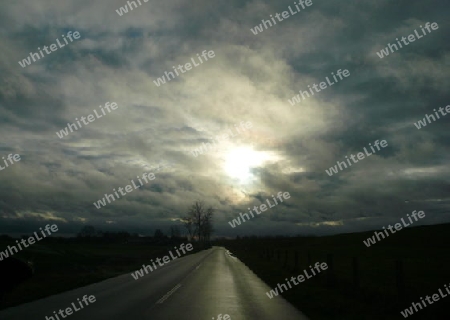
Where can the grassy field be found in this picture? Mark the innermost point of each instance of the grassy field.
(63, 266)
(387, 278)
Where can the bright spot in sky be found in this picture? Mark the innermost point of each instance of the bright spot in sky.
(240, 161)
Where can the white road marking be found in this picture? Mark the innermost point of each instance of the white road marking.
(168, 294)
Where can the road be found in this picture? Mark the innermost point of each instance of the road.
(194, 287)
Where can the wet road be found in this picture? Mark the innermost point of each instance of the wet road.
(198, 286)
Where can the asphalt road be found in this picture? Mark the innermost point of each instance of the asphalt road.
(195, 287)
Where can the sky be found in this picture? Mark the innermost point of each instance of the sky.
(246, 84)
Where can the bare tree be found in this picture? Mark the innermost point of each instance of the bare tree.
(189, 224)
(206, 225)
(198, 221)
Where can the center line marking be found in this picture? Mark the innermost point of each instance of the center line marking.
(168, 294)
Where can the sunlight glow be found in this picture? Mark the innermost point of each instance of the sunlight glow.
(240, 161)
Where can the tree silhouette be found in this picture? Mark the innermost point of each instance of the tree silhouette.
(198, 221)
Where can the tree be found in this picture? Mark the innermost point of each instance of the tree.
(198, 221)
(206, 225)
(188, 224)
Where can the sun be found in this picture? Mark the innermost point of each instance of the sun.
(240, 161)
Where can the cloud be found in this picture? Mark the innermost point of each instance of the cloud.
(250, 78)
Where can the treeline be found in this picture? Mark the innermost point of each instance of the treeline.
(89, 234)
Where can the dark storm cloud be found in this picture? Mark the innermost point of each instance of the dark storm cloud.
(250, 79)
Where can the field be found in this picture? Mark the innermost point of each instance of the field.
(363, 283)
(64, 264)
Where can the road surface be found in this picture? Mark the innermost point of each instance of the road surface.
(195, 287)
